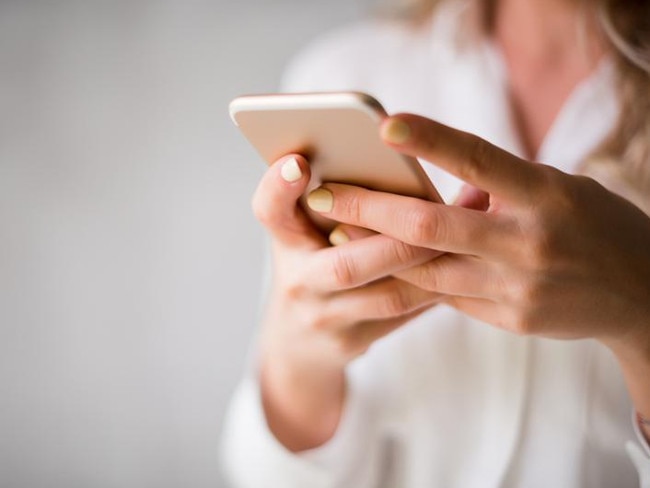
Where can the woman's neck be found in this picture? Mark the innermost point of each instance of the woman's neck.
(549, 47)
(546, 31)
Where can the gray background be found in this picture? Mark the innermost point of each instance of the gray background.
(129, 259)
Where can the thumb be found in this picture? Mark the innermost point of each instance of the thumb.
(276, 204)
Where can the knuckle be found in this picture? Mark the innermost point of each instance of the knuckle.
(404, 253)
(562, 194)
(295, 284)
(344, 270)
(317, 321)
(351, 343)
(546, 181)
(556, 217)
(295, 291)
(422, 227)
(565, 190)
(395, 303)
(310, 310)
(588, 186)
(542, 237)
(528, 304)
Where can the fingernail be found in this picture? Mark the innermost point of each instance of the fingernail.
(396, 131)
(321, 200)
(290, 170)
(338, 237)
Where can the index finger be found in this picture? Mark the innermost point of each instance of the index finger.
(470, 158)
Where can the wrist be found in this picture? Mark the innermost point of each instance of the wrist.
(302, 401)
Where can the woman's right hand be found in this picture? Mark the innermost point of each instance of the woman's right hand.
(326, 306)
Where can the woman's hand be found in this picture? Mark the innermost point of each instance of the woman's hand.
(326, 306)
(553, 255)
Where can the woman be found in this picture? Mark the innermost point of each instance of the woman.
(549, 393)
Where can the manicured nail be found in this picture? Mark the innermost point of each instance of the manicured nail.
(321, 200)
(290, 170)
(338, 237)
(396, 131)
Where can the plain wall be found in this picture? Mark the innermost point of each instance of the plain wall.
(129, 258)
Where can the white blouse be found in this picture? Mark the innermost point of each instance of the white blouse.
(448, 401)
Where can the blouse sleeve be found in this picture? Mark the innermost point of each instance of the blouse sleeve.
(252, 456)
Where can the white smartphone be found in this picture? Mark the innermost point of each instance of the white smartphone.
(338, 133)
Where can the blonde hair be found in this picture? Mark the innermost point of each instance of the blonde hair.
(622, 160)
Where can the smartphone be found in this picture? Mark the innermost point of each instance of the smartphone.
(338, 133)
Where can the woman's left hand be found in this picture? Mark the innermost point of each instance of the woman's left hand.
(553, 254)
